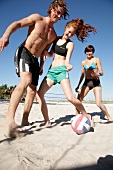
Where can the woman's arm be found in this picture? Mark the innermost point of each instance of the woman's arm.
(70, 48)
(81, 78)
(100, 71)
(99, 65)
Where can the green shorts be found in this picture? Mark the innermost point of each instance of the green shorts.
(57, 74)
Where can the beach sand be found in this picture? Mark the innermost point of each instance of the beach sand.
(58, 147)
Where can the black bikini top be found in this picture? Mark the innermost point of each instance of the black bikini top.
(60, 49)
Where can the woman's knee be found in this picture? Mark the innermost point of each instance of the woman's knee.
(79, 97)
(98, 104)
(70, 98)
(40, 94)
(74, 100)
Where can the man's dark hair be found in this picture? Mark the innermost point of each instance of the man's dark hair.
(60, 3)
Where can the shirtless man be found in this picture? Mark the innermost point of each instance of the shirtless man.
(41, 34)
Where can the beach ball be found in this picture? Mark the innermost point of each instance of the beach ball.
(80, 124)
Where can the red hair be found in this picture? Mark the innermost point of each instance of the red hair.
(81, 29)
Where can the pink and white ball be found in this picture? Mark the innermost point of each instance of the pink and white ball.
(80, 124)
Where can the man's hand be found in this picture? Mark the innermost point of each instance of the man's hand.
(41, 71)
(45, 53)
(3, 43)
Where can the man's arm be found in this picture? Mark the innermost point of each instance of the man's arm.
(45, 52)
(30, 20)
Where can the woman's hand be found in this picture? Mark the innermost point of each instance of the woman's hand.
(69, 67)
(76, 89)
(95, 75)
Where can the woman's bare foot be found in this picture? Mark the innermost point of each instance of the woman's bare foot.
(46, 124)
(91, 120)
(25, 122)
(110, 119)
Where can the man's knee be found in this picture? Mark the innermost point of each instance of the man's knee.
(26, 79)
(31, 91)
(25, 83)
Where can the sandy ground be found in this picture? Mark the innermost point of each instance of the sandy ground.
(58, 147)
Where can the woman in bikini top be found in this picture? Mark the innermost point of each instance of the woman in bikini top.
(91, 67)
(92, 70)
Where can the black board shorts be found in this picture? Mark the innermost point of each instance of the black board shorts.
(26, 62)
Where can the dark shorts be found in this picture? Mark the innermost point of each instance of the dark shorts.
(25, 62)
(91, 83)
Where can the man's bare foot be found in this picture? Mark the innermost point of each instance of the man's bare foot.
(13, 130)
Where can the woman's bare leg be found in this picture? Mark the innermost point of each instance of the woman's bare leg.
(44, 87)
(71, 98)
(98, 98)
(83, 92)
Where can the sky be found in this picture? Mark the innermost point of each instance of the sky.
(98, 13)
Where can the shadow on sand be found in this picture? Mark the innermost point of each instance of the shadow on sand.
(103, 163)
(62, 121)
